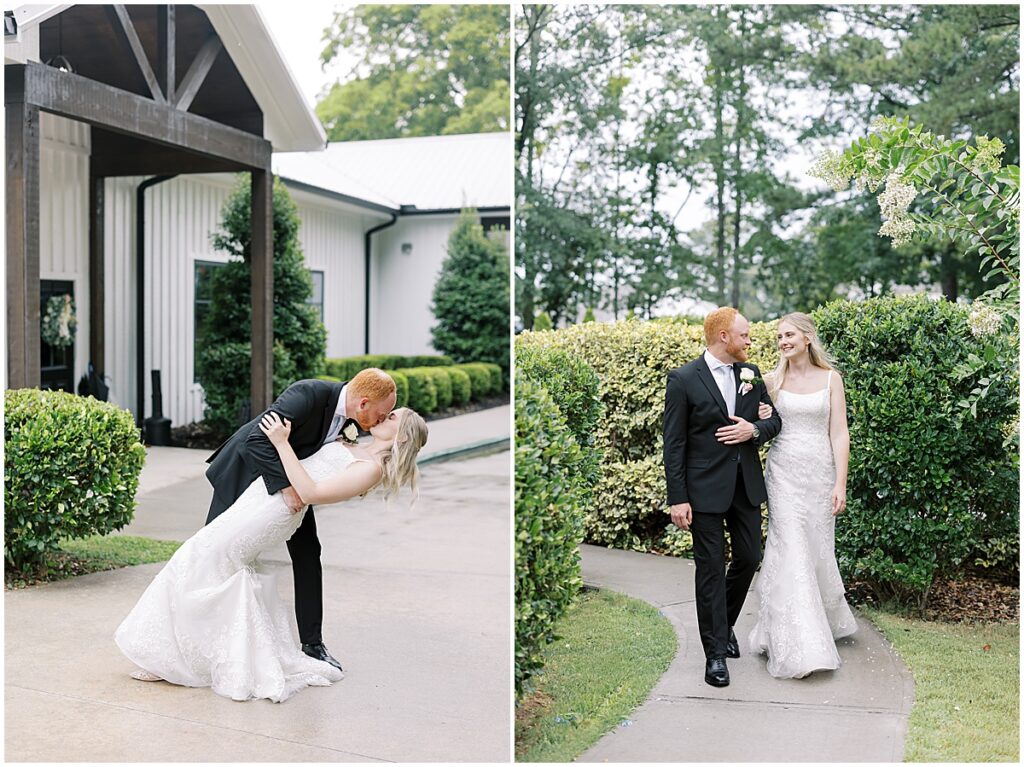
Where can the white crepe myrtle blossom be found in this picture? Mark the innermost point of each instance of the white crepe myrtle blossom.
(984, 321)
(830, 168)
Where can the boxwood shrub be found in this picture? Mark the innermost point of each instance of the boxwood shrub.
(422, 391)
(479, 378)
(71, 469)
(345, 368)
(461, 386)
(927, 488)
(549, 525)
(442, 384)
(428, 361)
(401, 387)
(498, 382)
(573, 385)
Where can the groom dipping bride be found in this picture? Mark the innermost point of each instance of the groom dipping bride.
(212, 617)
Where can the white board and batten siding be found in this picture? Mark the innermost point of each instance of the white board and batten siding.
(181, 216)
(402, 284)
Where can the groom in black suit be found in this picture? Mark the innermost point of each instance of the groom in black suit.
(713, 473)
(320, 412)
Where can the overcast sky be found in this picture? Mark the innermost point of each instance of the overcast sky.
(299, 36)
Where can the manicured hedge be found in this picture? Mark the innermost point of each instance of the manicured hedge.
(422, 391)
(71, 469)
(345, 368)
(549, 525)
(479, 378)
(498, 380)
(401, 387)
(462, 389)
(573, 385)
(928, 491)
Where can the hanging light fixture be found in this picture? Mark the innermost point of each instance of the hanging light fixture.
(60, 60)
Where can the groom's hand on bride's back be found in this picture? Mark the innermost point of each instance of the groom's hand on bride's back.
(682, 515)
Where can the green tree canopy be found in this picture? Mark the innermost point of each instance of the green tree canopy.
(423, 70)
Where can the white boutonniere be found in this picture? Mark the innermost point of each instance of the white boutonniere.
(749, 380)
(350, 432)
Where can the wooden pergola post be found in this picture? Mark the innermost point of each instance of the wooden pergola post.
(97, 297)
(261, 265)
(22, 210)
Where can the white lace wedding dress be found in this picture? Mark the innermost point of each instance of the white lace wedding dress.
(802, 607)
(212, 616)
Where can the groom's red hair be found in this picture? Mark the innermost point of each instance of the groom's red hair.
(717, 321)
(372, 383)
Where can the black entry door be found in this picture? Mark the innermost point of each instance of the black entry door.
(57, 365)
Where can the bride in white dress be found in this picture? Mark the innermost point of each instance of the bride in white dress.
(802, 607)
(212, 616)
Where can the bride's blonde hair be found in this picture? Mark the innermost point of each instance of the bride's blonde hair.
(398, 465)
(815, 349)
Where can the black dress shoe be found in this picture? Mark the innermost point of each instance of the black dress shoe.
(732, 647)
(716, 673)
(319, 652)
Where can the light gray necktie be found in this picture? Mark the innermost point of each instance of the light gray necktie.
(728, 388)
(332, 433)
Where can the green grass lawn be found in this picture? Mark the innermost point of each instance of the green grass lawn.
(967, 692)
(611, 652)
(96, 553)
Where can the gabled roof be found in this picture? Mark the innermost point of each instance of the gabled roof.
(288, 122)
(428, 173)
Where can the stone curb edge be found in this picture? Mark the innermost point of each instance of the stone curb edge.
(473, 447)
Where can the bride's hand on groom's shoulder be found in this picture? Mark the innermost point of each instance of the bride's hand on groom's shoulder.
(277, 431)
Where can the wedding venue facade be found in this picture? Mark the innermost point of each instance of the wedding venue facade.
(118, 199)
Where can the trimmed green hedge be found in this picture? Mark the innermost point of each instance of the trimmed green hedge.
(573, 385)
(71, 469)
(345, 368)
(926, 493)
(549, 525)
(498, 381)
(462, 388)
(479, 378)
(927, 489)
(422, 391)
(401, 387)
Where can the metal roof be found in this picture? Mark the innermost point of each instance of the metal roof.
(429, 172)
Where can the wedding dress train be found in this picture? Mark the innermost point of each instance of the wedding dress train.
(802, 607)
(212, 616)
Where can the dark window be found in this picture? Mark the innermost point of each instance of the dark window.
(317, 299)
(204, 295)
(495, 222)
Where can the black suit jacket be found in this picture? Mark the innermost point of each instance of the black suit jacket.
(699, 469)
(247, 454)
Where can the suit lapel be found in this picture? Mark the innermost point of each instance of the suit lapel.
(708, 379)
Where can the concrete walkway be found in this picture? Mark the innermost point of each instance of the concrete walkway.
(858, 713)
(416, 607)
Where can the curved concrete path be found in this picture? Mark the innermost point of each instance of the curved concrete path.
(416, 607)
(858, 713)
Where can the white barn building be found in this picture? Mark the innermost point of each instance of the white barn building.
(375, 217)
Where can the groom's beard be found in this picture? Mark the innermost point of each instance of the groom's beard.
(737, 351)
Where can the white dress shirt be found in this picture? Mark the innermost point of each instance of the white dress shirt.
(726, 380)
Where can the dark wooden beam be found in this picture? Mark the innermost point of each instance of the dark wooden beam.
(197, 72)
(22, 211)
(159, 161)
(97, 326)
(165, 32)
(119, 17)
(95, 103)
(261, 263)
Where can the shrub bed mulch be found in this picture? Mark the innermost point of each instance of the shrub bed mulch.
(62, 565)
(201, 437)
(973, 596)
